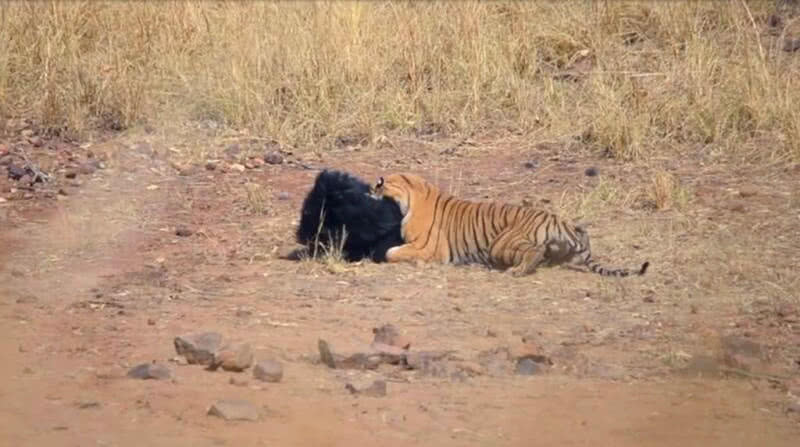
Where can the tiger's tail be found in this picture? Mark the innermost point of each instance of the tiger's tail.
(620, 273)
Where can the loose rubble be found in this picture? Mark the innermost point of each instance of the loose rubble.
(198, 348)
(234, 410)
(146, 371)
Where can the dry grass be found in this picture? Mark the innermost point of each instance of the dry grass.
(634, 78)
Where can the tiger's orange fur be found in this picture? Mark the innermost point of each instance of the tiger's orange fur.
(439, 227)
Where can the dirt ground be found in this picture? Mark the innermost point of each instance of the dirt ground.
(703, 350)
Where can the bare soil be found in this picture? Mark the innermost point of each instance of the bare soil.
(97, 282)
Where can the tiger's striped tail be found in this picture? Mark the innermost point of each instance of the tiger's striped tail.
(620, 273)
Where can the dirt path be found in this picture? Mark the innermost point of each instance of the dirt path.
(98, 283)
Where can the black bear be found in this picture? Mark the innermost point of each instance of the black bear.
(342, 201)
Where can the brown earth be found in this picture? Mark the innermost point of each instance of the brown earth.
(98, 281)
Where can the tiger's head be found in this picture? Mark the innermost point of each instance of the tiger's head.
(402, 188)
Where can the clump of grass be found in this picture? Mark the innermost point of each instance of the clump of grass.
(257, 200)
(666, 192)
(641, 75)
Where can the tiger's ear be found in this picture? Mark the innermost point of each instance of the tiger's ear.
(380, 183)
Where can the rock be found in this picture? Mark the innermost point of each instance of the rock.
(151, 322)
(377, 389)
(210, 166)
(237, 167)
(791, 45)
(793, 407)
(234, 410)
(236, 381)
(527, 349)
(149, 371)
(183, 231)
(87, 403)
(591, 172)
(15, 172)
(35, 141)
(283, 195)
(27, 299)
(527, 367)
(273, 158)
(389, 335)
(198, 348)
(497, 361)
(235, 358)
(429, 363)
(87, 168)
(6, 160)
(531, 165)
(27, 133)
(325, 353)
(268, 371)
(748, 191)
(471, 369)
(388, 353)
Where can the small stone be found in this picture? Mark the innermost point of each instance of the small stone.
(150, 371)
(235, 358)
(198, 348)
(234, 410)
(151, 322)
(530, 350)
(748, 191)
(527, 367)
(257, 162)
(389, 335)
(325, 354)
(249, 165)
(531, 165)
(243, 313)
(791, 45)
(591, 172)
(737, 206)
(86, 404)
(27, 133)
(236, 381)
(6, 160)
(183, 231)
(237, 167)
(283, 195)
(210, 166)
(62, 192)
(793, 407)
(273, 158)
(268, 371)
(87, 168)
(15, 172)
(27, 299)
(376, 389)
(35, 141)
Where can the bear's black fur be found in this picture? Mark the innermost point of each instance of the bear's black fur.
(372, 226)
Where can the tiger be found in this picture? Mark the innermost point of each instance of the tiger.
(439, 227)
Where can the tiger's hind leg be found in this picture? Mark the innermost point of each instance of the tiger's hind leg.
(531, 258)
(519, 255)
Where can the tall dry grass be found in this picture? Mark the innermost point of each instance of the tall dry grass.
(631, 78)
